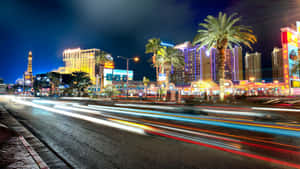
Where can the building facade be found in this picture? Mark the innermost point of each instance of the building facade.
(253, 66)
(233, 64)
(82, 60)
(201, 64)
(277, 65)
(290, 45)
(197, 65)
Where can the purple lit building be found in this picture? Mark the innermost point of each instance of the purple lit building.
(203, 65)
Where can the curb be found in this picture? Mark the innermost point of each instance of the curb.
(33, 153)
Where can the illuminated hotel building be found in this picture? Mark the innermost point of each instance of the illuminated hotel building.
(28, 74)
(233, 64)
(83, 60)
(277, 65)
(253, 66)
(203, 65)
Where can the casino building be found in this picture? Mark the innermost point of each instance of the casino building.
(85, 60)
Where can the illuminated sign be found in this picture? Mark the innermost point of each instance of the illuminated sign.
(162, 77)
(290, 54)
(117, 74)
(296, 83)
(109, 65)
(293, 61)
(243, 82)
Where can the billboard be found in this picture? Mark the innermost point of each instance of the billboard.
(293, 62)
(117, 74)
(289, 38)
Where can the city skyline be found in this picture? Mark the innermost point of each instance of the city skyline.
(47, 44)
(150, 84)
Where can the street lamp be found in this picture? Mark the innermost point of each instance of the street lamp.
(135, 59)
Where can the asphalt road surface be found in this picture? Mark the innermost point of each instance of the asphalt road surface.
(93, 136)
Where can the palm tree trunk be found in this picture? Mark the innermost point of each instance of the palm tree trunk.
(157, 74)
(167, 79)
(221, 52)
(102, 77)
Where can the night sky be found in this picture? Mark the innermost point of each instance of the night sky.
(122, 27)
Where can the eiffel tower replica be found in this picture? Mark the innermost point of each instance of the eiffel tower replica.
(28, 78)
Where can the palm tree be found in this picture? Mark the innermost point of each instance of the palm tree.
(54, 81)
(222, 32)
(169, 59)
(100, 61)
(81, 80)
(153, 46)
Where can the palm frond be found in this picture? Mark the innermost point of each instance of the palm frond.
(223, 31)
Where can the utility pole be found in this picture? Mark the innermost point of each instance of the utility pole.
(136, 59)
(127, 60)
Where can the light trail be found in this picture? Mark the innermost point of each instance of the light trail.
(224, 107)
(140, 130)
(146, 106)
(233, 112)
(133, 124)
(230, 140)
(237, 121)
(83, 117)
(191, 130)
(223, 134)
(264, 128)
(275, 109)
(48, 102)
(213, 111)
(268, 159)
(78, 109)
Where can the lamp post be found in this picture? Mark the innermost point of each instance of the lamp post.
(135, 59)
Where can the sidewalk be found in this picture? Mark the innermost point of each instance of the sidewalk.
(42, 154)
(16, 153)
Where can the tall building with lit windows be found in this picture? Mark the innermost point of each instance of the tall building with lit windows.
(83, 60)
(201, 64)
(277, 64)
(197, 65)
(253, 66)
(233, 64)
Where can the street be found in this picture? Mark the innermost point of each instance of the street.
(123, 136)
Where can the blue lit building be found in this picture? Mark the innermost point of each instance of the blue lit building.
(201, 64)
